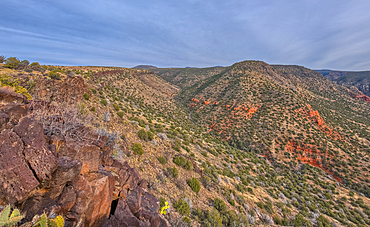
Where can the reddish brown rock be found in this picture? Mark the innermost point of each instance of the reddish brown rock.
(134, 200)
(123, 213)
(38, 205)
(56, 140)
(68, 169)
(69, 90)
(102, 185)
(42, 160)
(7, 94)
(83, 193)
(16, 179)
(11, 113)
(67, 200)
(4, 119)
(88, 154)
(150, 202)
(153, 217)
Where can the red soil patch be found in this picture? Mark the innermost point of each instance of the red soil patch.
(207, 102)
(314, 116)
(195, 100)
(310, 155)
(232, 120)
(363, 97)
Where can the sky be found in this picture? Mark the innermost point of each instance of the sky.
(318, 34)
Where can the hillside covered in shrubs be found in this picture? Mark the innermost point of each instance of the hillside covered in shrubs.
(246, 145)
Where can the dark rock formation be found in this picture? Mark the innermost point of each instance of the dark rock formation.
(76, 179)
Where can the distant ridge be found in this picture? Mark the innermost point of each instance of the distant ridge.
(144, 67)
(359, 79)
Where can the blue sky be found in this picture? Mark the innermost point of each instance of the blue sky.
(330, 34)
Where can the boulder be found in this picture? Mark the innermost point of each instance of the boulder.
(134, 200)
(67, 200)
(7, 94)
(41, 160)
(88, 154)
(4, 120)
(16, 178)
(162, 136)
(102, 185)
(37, 205)
(15, 113)
(68, 169)
(83, 194)
(153, 217)
(150, 202)
(113, 221)
(124, 214)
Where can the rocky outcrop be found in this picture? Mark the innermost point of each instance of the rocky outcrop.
(16, 178)
(67, 90)
(7, 94)
(76, 179)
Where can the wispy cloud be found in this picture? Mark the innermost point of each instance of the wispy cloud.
(317, 34)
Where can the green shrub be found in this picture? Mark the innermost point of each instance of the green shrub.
(2, 58)
(162, 202)
(175, 173)
(162, 160)
(188, 165)
(87, 96)
(54, 75)
(104, 102)
(93, 109)
(120, 114)
(12, 63)
(6, 80)
(24, 63)
(205, 181)
(186, 220)
(182, 207)
(179, 160)
(187, 149)
(177, 146)
(250, 190)
(204, 153)
(116, 106)
(194, 184)
(137, 148)
(322, 221)
(142, 134)
(145, 135)
(300, 221)
(197, 212)
(93, 91)
(183, 162)
(214, 219)
(220, 205)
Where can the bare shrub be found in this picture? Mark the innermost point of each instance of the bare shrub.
(58, 120)
(181, 184)
(267, 219)
(251, 219)
(68, 121)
